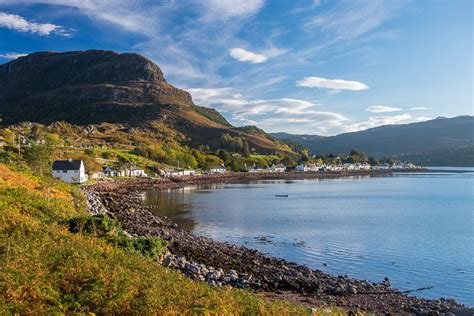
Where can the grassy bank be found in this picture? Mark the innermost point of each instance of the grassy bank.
(45, 268)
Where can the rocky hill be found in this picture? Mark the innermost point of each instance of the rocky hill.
(96, 86)
(438, 142)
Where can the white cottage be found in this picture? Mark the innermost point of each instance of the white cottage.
(69, 171)
(302, 168)
(218, 169)
(132, 172)
(277, 168)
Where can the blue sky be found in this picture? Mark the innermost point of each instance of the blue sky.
(315, 67)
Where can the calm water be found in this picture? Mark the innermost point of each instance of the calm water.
(417, 229)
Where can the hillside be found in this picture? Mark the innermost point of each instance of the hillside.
(48, 268)
(96, 86)
(441, 142)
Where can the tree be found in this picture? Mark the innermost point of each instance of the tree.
(200, 159)
(234, 165)
(373, 161)
(245, 150)
(37, 156)
(224, 155)
(289, 160)
(304, 158)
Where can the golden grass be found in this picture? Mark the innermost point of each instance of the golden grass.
(45, 269)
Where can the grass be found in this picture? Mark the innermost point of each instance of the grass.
(45, 268)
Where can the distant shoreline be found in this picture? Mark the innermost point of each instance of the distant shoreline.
(242, 267)
(182, 181)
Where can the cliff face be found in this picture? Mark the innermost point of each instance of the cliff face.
(96, 86)
(84, 87)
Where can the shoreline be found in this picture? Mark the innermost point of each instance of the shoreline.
(222, 264)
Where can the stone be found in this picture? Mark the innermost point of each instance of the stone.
(167, 261)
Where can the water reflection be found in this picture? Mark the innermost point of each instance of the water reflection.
(171, 204)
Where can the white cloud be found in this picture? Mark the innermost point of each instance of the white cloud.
(20, 24)
(289, 114)
(420, 108)
(12, 55)
(204, 94)
(375, 121)
(222, 10)
(382, 109)
(243, 55)
(423, 118)
(132, 16)
(246, 56)
(335, 84)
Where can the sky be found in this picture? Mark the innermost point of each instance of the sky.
(299, 66)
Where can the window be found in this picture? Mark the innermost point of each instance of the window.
(64, 171)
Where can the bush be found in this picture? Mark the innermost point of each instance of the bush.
(109, 229)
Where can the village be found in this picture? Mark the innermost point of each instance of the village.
(74, 171)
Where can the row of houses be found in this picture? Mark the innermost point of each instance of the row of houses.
(74, 171)
(354, 166)
(273, 168)
(397, 166)
(329, 167)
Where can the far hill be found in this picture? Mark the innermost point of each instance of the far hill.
(441, 142)
(97, 86)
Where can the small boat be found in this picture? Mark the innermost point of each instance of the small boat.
(281, 195)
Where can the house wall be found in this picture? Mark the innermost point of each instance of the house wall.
(71, 176)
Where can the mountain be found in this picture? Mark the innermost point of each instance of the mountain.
(442, 141)
(302, 139)
(97, 86)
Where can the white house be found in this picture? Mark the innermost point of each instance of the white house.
(349, 166)
(218, 169)
(277, 168)
(182, 172)
(302, 168)
(255, 168)
(132, 172)
(69, 171)
(313, 167)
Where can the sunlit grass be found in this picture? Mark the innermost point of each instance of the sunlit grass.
(45, 269)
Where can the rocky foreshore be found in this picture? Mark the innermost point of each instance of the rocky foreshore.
(224, 264)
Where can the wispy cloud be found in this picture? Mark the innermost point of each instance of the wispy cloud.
(382, 109)
(295, 115)
(334, 84)
(12, 55)
(420, 108)
(204, 94)
(222, 10)
(352, 18)
(20, 24)
(375, 121)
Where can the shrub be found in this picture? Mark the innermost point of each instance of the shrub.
(109, 229)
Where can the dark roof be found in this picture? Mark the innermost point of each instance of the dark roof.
(67, 164)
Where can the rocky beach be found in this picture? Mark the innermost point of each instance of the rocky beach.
(224, 264)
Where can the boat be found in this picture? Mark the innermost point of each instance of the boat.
(281, 195)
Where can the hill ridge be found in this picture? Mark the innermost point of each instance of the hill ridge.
(441, 141)
(97, 86)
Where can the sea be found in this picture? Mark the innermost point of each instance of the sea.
(417, 229)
